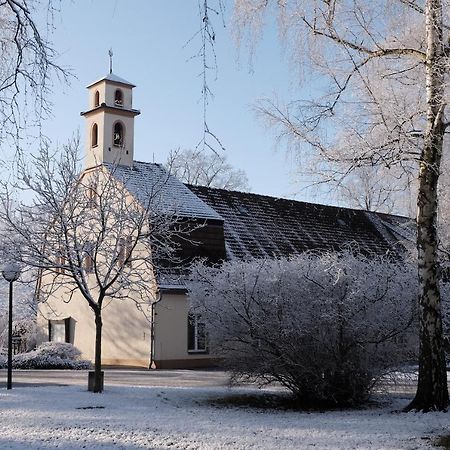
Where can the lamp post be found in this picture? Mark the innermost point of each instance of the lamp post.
(11, 273)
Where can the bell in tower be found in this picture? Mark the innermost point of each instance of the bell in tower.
(110, 122)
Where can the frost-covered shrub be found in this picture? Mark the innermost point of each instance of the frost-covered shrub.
(51, 355)
(24, 312)
(25, 329)
(3, 331)
(326, 326)
(3, 358)
(61, 350)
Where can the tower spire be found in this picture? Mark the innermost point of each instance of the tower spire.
(110, 53)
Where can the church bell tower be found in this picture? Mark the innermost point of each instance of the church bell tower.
(110, 122)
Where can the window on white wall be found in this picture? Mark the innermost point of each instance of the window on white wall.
(59, 330)
(197, 339)
(118, 134)
(124, 251)
(118, 98)
(60, 261)
(91, 195)
(88, 258)
(94, 137)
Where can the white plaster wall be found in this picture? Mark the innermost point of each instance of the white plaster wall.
(100, 87)
(110, 92)
(105, 151)
(113, 154)
(171, 330)
(126, 329)
(94, 155)
(107, 91)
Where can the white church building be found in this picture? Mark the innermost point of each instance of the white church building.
(235, 225)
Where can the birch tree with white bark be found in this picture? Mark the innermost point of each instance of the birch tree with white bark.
(84, 233)
(386, 67)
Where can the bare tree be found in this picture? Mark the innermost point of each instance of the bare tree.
(386, 65)
(87, 234)
(204, 38)
(205, 169)
(27, 64)
(376, 189)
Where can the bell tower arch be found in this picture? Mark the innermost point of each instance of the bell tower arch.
(110, 122)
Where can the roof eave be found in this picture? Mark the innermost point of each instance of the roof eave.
(121, 83)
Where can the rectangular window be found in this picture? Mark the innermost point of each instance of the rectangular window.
(121, 251)
(59, 330)
(88, 260)
(92, 196)
(124, 251)
(60, 261)
(197, 339)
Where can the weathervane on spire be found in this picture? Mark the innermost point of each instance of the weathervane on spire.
(110, 53)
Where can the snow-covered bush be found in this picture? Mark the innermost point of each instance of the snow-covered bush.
(3, 331)
(25, 329)
(51, 355)
(61, 350)
(325, 326)
(3, 358)
(24, 311)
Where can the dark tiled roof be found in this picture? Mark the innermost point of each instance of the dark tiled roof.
(260, 226)
(148, 180)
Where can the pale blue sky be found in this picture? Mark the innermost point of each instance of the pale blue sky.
(148, 38)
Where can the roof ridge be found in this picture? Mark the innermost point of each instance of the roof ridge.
(344, 208)
(150, 163)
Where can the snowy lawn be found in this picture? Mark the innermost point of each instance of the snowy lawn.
(166, 418)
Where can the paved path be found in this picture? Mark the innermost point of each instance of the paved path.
(132, 377)
(157, 378)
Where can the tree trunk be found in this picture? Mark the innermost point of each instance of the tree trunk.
(432, 392)
(98, 387)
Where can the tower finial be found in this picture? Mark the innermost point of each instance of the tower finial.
(110, 53)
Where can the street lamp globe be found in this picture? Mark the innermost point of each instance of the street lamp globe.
(11, 271)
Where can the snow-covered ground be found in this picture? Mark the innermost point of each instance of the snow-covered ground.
(166, 418)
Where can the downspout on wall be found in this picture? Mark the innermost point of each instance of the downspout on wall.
(152, 364)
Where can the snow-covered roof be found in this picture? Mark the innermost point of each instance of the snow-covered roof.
(402, 228)
(262, 226)
(113, 77)
(172, 280)
(241, 225)
(149, 179)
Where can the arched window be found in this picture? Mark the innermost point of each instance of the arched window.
(118, 98)
(96, 99)
(118, 134)
(94, 136)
